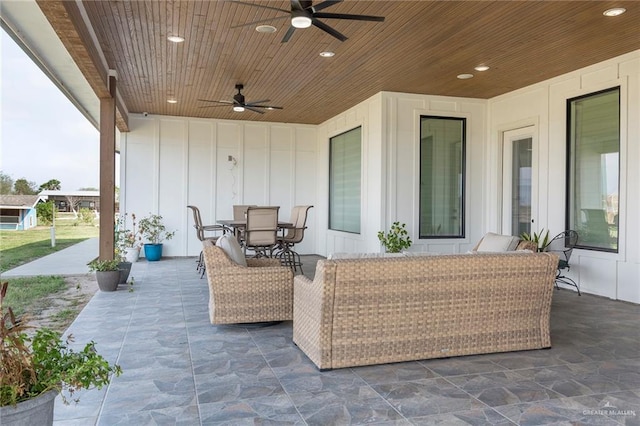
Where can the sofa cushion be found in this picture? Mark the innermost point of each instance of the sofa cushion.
(498, 243)
(232, 248)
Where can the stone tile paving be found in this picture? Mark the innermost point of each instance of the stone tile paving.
(181, 370)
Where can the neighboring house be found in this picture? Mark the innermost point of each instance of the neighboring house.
(18, 211)
(68, 201)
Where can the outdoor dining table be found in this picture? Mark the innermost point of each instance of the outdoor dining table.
(238, 225)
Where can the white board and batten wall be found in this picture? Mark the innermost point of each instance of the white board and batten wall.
(543, 106)
(168, 163)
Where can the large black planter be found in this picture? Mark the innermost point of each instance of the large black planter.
(125, 269)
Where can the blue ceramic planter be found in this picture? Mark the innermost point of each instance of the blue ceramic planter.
(153, 252)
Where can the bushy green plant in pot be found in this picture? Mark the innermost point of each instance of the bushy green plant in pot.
(396, 240)
(107, 273)
(154, 232)
(35, 368)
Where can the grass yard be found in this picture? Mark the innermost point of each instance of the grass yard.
(29, 295)
(51, 301)
(19, 247)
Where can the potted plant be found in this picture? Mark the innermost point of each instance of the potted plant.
(36, 368)
(396, 239)
(154, 232)
(128, 241)
(126, 246)
(107, 273)
(540, 239)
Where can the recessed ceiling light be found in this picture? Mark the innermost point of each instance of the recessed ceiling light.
(327, 54)
(175, 39)
(266, 29)
(172, 101)
(481, 68)
(614, 11)
(465, 76)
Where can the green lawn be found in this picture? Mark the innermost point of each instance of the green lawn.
(19, 247)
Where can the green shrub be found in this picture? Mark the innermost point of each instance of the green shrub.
(86, 216)
(45, 212)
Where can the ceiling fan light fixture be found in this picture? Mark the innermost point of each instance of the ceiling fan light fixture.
(175, 39)
(238, 108)
(300, 19)
(616, 11)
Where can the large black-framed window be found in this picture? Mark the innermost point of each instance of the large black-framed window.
(345, 164)
(442, 176)
(593, 155)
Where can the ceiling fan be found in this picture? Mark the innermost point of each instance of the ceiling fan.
(239, 104)
(303, 14)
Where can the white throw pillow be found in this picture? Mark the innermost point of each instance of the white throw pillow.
(232, 248)
(498, 243)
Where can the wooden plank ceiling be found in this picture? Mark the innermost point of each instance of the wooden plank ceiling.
(420, 48)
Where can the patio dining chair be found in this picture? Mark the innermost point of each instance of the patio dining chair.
(260, 233)
(563, 245)
(200, 233)
(240, 214)
(294, 235)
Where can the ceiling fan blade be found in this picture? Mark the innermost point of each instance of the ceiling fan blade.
(248, 24)
(215, 106)
(300, 4)
(288, 34)
(218, 102)
(263, 106)
(327, 29)
(325, 4)
(259, 5)
(253, 103)
(253, 109)
(347, 16)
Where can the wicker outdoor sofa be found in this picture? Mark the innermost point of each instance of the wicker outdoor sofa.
(382, 310)
(262, 291)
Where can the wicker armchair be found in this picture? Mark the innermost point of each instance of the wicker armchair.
(260, 292)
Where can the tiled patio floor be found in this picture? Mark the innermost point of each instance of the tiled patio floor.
(179, 369)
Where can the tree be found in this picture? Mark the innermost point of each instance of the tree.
(51, 185)
(24, 187)
(45, 212)
(6, 183)
(73, 203)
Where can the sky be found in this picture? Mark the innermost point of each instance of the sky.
(42, 134)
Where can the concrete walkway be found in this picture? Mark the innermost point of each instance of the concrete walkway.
(70, 261)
